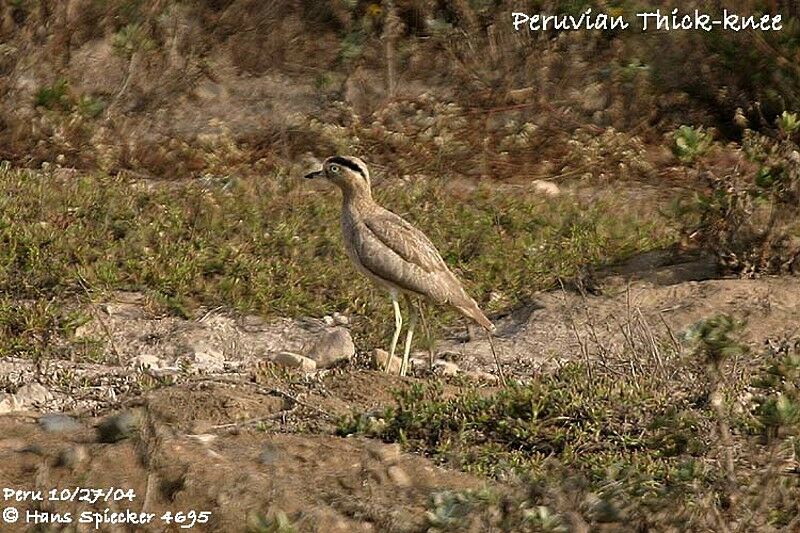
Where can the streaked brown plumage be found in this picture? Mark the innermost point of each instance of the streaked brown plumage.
(389, 250)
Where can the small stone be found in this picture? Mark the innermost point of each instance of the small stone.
(332, 346)
(84, 331)
(33, 394)
(147, 360)
(519, 96)
(72, 456)
(207, 357)
(546, 187)
(210, 360)
(379, 358)
(329, 321)
(203, 438)
(253, 323)
(445, 368)
(340, 319)
(130, 310)
(9, 403)
(398, 476)
(293, 360)
(117, 427)
(479, 375)
(417, 363)
(58, 423)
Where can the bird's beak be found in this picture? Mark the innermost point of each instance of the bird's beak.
(312, 175)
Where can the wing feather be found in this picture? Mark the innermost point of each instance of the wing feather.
(405, 240)
(392, 251)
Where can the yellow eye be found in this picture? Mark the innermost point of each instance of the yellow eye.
(335, 169)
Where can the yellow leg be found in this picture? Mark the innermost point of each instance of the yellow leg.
(398, 325)
(409, 335)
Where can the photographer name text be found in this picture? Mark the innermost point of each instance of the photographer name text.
(656, 20)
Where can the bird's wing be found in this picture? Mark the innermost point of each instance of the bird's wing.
(393, 250)
(405, 240)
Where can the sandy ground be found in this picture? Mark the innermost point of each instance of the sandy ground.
(214, 428)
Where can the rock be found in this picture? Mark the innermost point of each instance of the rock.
(253, 323)
(379, 358)
(207, 357)
(58, 423)
(206, 439)
(398, 476)
(9, 403)
(147, 360)
(33, 394)
(118, 427)
(547, 187)
(417, 363)
(293, 360)
(130, 310)
(72, 456)
(329, 321)
(519, 96)
(84, 331)
(480, 375)
(209, 360)
(332, 346)
(340, 319)
(445, 368)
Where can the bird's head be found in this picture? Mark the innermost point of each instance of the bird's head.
(349, 173)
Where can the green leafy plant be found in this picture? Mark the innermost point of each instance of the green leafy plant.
(779, 387)
(277, 523)
(788, 123)
(132, 38)
(691, 143)
(54, 97)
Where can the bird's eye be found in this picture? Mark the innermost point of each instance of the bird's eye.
(335, 169)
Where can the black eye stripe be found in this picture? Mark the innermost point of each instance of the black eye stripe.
(343, 161)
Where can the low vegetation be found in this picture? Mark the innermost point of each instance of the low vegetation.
(272, 246)
(699, 447)
(145, 147)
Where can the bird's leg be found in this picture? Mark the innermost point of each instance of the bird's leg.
(496, 359)
(429, 339)
(412, 321)
(398, 325)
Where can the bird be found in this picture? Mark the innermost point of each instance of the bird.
(394, 254)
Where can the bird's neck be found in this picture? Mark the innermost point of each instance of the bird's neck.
(355, 198)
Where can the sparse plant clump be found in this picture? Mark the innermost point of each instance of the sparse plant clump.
(277, 523)
(609, 156)
(131, 39)
(55, 96)
(588, 449)
(778, 390)
(749, 218)
(461, 510)
(43, 330)
(691, 143)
